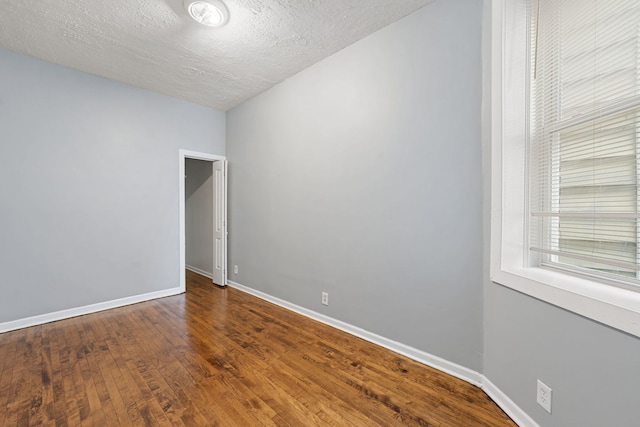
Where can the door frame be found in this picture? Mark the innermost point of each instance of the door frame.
(183, 155)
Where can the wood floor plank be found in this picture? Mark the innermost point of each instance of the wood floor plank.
(220, 357)
(92, 413)
(34, 361)
(16, 387)
(96, 360)
(46, 372)
(108, 368)
(126, 392)
(57, 344)
(8, 349)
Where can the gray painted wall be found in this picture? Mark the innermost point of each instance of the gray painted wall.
(594, 370)
(362, 176)
(199, 215)
(89, 186)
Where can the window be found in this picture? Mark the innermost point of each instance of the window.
(565, 144)
(584, 136)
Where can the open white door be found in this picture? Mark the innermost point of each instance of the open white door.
(220, 222)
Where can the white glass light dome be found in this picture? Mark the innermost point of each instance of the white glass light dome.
(212, 13)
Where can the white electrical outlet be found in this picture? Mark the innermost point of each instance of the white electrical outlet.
(544, 396)
(235, 269)
(325, 298)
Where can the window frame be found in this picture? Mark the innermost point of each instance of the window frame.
(509, 258)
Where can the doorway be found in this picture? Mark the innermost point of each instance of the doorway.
(206, 193)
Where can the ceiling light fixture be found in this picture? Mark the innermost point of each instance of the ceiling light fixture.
(212, 13)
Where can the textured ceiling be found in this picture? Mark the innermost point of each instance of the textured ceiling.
(153, 44)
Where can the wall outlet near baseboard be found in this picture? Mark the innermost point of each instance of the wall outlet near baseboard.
(325, 298)
(544, 396)
(235, 269)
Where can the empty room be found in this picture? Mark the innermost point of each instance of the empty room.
(310, 213)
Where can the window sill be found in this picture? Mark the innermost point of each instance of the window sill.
(612, 306)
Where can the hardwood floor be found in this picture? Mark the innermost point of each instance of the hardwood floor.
(220, 357)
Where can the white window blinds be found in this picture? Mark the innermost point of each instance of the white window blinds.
(585, 136)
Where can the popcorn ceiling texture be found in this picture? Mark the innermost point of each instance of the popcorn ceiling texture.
(153, 44)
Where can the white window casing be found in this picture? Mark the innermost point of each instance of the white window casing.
(564, 219)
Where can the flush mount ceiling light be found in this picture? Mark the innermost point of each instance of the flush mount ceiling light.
(212, 13)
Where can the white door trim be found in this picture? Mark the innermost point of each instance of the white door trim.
(182, 156)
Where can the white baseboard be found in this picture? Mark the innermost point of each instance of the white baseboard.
(502, 400)
(200, 272)
(508, 406)
(87, 309)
